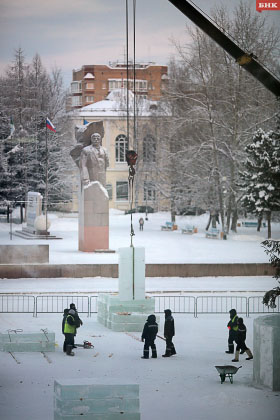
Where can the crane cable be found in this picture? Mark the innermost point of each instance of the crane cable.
(131, 156)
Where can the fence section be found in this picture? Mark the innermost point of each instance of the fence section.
(256, 306)
(57, 304)
(177, 304)
(93, 304)
(10, 303)
(220, 304)
(17, 304)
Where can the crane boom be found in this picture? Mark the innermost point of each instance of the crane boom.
(245, 60)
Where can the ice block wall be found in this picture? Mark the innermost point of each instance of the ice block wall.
(95, 399)
(266, 368)
(131, 273)
(32, 341)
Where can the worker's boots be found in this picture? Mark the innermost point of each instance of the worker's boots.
(230, 349)
(69, 351)
(154, 354)
(145, 354)
(249, 353)
(236, 358)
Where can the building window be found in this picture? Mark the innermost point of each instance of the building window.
(76, 87)
(121, 147)
(76, 100)
(104, 85)
(149, 149)
(89, 86)
(115, 84)
(109, 189)
(149, 191)
(89, 98)
(140, 85)
(122, 190)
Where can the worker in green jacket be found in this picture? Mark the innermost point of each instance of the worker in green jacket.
(69, 332)
(233, 327)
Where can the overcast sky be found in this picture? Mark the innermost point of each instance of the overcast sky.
(70, 33)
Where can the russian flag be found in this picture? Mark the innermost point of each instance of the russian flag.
(50, 125)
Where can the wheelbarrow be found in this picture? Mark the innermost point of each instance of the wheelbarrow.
(227, 371)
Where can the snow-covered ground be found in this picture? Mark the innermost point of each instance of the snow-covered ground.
(185, 386)
(160, 246)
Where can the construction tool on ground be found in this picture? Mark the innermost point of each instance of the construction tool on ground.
(85, 345)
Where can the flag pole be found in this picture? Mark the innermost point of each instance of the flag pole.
(46, 179)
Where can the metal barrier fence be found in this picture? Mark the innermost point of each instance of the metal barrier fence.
(17, 304)
(220, 304)
(57, 304)
(177, 304)
(93, 304)
(10, 303)
(255, 306)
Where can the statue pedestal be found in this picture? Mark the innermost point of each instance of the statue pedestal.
(93, 218)
(129, 310)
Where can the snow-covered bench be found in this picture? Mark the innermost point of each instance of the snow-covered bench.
(212, 233)
(169, 226)
(189, 229)
(252, 224)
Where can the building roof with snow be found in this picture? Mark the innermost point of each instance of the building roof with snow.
(115, 105)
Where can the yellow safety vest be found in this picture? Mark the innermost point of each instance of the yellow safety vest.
(236, 327)
(69, 329)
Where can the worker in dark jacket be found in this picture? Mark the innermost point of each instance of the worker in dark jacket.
(149, 334)
(69, 332)
(169, 332)
(240, 341)
(65, 314)
(233, 327)
(78, 321)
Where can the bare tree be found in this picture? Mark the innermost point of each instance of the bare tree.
(216, 105)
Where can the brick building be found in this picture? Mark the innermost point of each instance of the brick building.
(92, 83)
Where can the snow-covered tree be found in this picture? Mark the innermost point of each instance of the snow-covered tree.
(28, 96)
(261, 177)
(272, 248)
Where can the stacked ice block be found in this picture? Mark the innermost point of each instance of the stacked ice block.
(93, 399)
(122, 315)
(32, 341)
(129, 310)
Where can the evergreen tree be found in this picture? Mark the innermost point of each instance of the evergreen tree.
(272, 248)
(261, 177)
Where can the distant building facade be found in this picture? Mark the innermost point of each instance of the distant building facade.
(92, 83)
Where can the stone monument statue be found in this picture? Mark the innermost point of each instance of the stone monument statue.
(92, 161)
